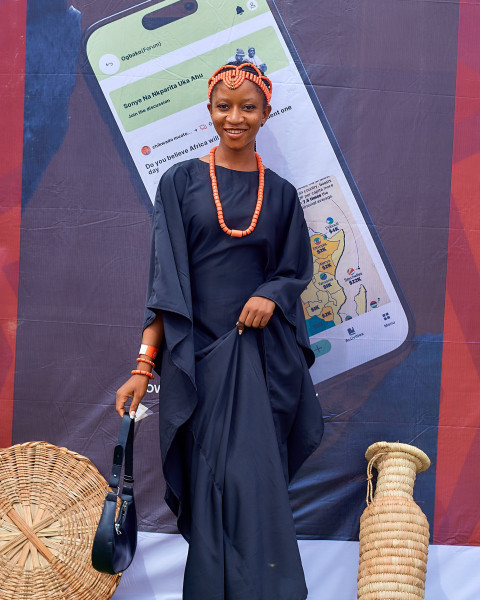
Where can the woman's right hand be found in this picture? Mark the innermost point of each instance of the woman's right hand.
(135, 388)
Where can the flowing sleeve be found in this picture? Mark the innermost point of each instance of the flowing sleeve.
(168, 294)
(168, 290)
(292, 271)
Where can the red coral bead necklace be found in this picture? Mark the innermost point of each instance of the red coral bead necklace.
(218, 204)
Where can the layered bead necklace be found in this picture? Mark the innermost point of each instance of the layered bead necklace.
(218, 204)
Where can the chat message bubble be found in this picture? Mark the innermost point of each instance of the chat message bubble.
(172, 90)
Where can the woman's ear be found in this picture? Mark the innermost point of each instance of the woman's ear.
(209, 106)
(266, 113)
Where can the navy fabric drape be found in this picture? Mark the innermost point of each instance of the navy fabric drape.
(238, 414)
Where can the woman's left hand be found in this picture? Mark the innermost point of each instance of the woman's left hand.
(256, 313)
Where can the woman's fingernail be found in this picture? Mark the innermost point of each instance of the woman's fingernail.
(132, 414)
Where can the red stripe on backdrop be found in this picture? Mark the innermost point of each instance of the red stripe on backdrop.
(457, 479)
(12, 79)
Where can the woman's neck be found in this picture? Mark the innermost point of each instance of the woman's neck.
(238, 160)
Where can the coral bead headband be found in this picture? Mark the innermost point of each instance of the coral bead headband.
(233, 76)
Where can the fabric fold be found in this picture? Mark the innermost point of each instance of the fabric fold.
(168, 280)
(235, 463)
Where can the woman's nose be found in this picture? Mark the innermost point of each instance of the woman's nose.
(235, 115)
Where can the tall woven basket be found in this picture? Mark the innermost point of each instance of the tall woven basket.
(51, 500)
(394, 532)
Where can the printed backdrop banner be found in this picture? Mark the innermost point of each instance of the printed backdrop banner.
(399, 83)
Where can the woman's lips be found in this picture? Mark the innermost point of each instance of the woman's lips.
(235, 132)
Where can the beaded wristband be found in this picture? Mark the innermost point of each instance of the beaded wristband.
(146, 361)
(150, 351)
(138, 372)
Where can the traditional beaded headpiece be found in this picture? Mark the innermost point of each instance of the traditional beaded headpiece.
(233, 76)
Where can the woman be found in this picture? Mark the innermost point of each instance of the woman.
(238, 413)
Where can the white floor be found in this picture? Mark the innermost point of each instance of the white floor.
(330, 569)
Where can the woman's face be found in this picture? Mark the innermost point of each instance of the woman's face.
(237, 115)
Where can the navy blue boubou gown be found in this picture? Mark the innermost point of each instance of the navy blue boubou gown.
(238, 414)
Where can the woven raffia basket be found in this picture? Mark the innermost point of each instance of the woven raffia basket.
(51, 500)
(394, 532)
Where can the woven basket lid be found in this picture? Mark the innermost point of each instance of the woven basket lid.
(51, 500)
(421, 459)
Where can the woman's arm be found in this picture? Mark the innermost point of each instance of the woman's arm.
(136, 386)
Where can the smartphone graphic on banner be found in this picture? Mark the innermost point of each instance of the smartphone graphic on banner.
(152, 63)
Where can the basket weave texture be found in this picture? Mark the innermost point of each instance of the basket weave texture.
(51, 500)
(394, 532)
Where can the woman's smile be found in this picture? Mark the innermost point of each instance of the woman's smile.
(235, 132)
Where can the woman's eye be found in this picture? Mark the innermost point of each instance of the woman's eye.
(250, 107)
(222, 106)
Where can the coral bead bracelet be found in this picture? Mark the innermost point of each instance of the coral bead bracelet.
(146, 361)
(139, 372)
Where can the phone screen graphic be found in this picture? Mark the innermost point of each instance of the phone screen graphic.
(154, 80)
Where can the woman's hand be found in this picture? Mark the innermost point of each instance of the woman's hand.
(256, 313)
(135, 388)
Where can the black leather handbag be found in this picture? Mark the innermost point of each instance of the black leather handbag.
(115, 541)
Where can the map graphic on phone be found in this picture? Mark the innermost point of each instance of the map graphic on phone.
(152, 63)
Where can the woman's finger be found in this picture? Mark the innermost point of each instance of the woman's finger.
(134, 405)
(249, 318)
(264, 321)
(242, 317)
(257, 321)
(120, 403)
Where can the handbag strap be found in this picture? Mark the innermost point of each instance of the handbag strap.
(123, 451)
